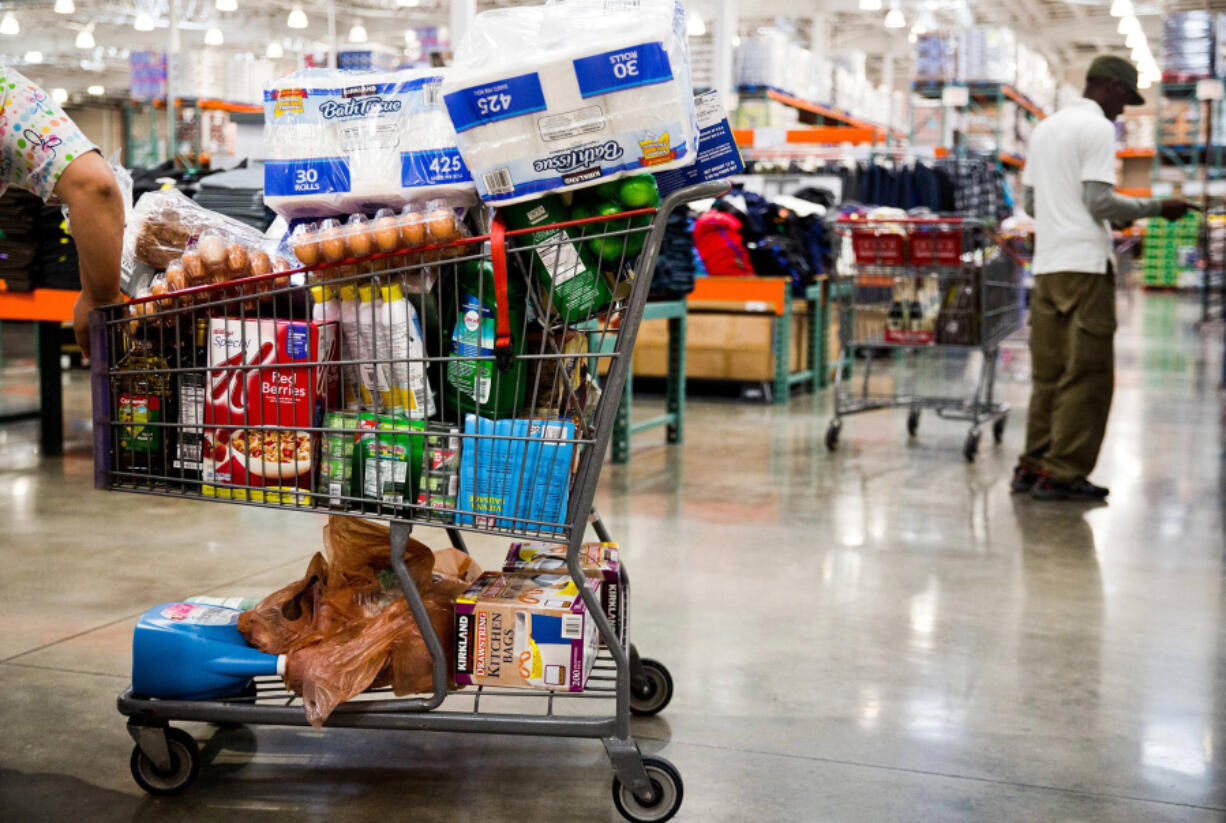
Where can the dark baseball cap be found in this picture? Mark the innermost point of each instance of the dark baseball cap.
(1110, 67)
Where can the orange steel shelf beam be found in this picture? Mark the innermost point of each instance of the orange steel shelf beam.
(45, 305)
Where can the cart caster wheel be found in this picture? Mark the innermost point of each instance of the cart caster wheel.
(666, 786)
(971, 449)
(832, 435)
(656, 692)
(998, 428)
(913, 422)
(184, 765)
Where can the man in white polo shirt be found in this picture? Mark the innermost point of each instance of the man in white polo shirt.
(1069, 183)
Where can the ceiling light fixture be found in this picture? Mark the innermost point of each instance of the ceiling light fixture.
(1134, 39)
(214, 37)
(1121, 8)
(227, 5)
(870, 5)
(9, 24)
(274, 50)
(33, 57)
(85, 39)
(912, 37)
(1128, 24)
(408, 4)
(695, 26)
(144, 21)
(97, 91)
(65, 7)
(895, 19)
(1143, 82)
(410, 37)
(59, 95)
(297, 18)
(357, 34)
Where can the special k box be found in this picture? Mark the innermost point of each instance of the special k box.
(265, 373)
(599, 560)
(526, 631)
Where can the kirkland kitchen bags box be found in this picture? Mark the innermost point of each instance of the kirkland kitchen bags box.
(598, 560)
(546, 98)
(502, 480)
(265, 373)
(526, 631)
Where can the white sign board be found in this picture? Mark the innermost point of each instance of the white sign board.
(955, 97)
(1210, 89)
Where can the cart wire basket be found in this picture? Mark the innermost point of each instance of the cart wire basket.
(482, 352)
(912, 288)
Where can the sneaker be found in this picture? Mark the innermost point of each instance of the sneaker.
(1023, 478)
(1080, 489)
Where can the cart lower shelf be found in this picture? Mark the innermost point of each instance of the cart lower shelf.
(166, 760)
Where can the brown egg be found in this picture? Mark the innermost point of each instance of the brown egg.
(193, 267)
(238, 263)
(360, 239)
(281, 264)
(412, 230)
(387, 233)
(306, 247)
(332, 243)
(442, 226)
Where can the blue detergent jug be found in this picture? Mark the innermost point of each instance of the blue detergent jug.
(192, 651)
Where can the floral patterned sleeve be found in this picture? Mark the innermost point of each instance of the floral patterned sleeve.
(37, 140)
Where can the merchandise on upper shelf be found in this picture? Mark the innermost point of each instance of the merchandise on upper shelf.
(985, 55)
(1188, 44)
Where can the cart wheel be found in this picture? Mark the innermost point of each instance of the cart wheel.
(971, 448)
(832, 434)
(656, 692)
(667, 787)
(913, 422)
(998, 428)
(184, 765)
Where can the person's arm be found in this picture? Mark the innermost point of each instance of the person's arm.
(1104, 203)
(1028, 200)
(95, 211)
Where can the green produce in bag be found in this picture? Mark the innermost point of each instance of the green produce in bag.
(564, 267)
(480, 384)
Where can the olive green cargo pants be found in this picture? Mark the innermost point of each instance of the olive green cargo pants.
(1072, 323)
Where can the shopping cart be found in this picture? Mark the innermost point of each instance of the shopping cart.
(909, 286)
(538, 357)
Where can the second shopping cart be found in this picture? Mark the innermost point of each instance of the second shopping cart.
(911, 289)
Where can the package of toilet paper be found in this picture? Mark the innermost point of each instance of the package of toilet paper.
(554, 97)
(431, 167)
(339, 142)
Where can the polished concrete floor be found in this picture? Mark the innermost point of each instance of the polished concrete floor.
(880, 634)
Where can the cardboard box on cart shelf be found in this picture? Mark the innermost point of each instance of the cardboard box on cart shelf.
(524, 631)
(599, 560)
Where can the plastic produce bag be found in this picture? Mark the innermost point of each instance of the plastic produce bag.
(546, 98)
(339, 142)
(346, 626)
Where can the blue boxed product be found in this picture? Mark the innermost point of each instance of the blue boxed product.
(507, 482)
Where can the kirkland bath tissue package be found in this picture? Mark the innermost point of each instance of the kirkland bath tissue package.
(339, 142)
(547, 98)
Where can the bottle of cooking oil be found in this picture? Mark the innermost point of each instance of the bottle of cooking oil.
(142, 395)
